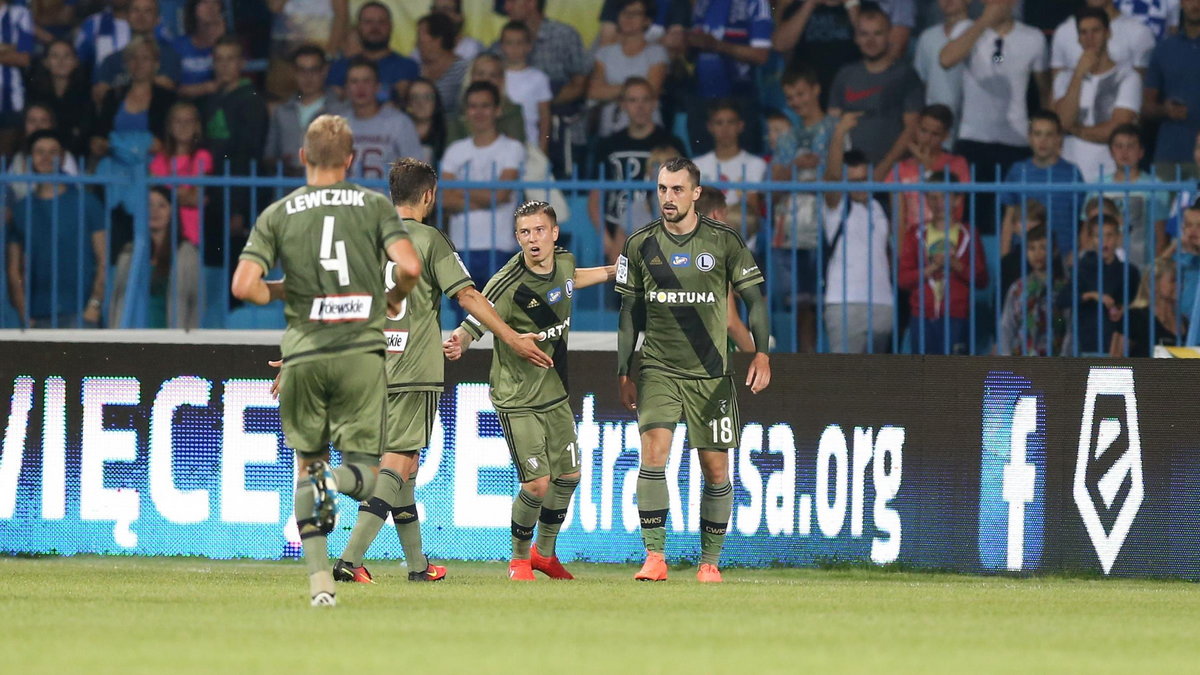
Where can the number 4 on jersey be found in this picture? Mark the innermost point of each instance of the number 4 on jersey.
(329, 260)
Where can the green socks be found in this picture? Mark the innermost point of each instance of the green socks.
(554, 512)
(652, 502)
(371, 514)
(716, 503)
(525, 512)
(312, 539)
(408, 527)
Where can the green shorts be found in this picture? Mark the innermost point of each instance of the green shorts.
(410, 420)
(541, 443)
(336, 399)
(709, 407)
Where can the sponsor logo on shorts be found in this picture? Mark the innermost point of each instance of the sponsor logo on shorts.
(554, 295)
(680, 260)
(338, 308)
(397, 341)
(681, 297)
(706, 261)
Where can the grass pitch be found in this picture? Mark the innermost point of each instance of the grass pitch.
(122, 615)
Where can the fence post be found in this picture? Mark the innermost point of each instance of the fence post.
(137, 287)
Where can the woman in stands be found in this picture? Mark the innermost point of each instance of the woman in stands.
(424, 106)
(182, 155)
(60, 82)
(139, 107)
(174, 272)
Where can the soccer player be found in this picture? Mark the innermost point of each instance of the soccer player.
(532, 292)
(415, 370)
(331, 237)
(673, 275)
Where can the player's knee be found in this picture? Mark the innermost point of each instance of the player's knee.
(570, 476)
(537, 487)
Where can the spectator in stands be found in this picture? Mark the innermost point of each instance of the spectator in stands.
(204, 24)
(668, 20)
(857, 280)
(38, 117)
(1002, 56)
(1012, 246)
(1094, 98)
(396, 72)
(526, 85)
(730, 40)
(1185, 198)
(439, 63)
(1102, 291)
(1173, 89)
(632, 56)
(903, 17)
(941, 263)
(141, 106)
(296, 23)
(727, 162)
(183, 155)
(103, 33)
(1046, 166)
(926, 158)
(290, 120)
(1160, 16)
(488, 67)
(143, 22)
(1186, 254)
(818, 34)
(1144, 210)
(174, 299)
(480, 226)
(625, 156)
(49, 231)
(382, 134)
(1129, 40)
(16, 53)
(557, 50)
(429, 118)
(59, 82)
(53, 20)
(465, 46)
(887, 90)
(1025, 324)
(1163, 310)
(943, 85)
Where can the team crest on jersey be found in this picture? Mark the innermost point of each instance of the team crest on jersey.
(724, 406)
(705, 261)
(554, 295)
(680, 260)
(570, 287)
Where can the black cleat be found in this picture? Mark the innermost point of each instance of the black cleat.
(344, 571)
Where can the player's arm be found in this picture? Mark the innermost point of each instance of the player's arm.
(457, 344)
(405, 273)
(759, 375)
(591, 276)
(525, 345)
(737, 330)
(249, 285)
(632, 322)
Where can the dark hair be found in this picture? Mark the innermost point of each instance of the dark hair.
(800, 73)
(871, 9)
(377, 5)
(854, 158)
(518, 26)
(42, 135)
(189, 16)
(683, 164)
(170, 147)
(1035, 211)
(1194, 206)
(1125, 130)
(408, 179)
(1036, 233)
(942, 113)
(942, 178)
(648, 5)
(160, 257)
(363, 62)
(435, 137)
(722, 104)
(1091, 13)
(710, 200)
(1046, 116)
(1101, 219)
(776, 114)
(479, 86)
(309, 50)
(441, 27)
(231, 41)
(533, 208)
(635, 81)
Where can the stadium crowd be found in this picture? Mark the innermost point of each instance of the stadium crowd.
(1020, 94)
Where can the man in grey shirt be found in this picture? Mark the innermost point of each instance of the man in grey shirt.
(382, 134)
(888, 93)
(290, 120)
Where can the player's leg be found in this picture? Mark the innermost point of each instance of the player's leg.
(357, 402)
(659, 410)
(527, 447)
(563, 452)
(405, 516)
(710, 407)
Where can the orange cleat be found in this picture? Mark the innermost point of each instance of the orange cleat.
(551, 567)
(344, 571)
(708, 574)
(430, 573)
(654, 569)
(520, 570)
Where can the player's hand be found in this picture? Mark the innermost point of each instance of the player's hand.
(275, 384)
(759, 375)
(453, 347)
(628, 391)
(526, 347)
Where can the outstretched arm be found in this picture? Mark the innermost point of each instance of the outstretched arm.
(525, 345)
(590, 276)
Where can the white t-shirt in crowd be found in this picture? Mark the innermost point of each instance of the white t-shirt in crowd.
(998, 72)
(1130, 44)
(861, 252)
(527, 88)
(467, 161)
(942, 85)
(1099, 96)
(1160, 16)
(466, 49)
(742, 167)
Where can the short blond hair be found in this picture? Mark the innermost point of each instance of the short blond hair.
(328, 141)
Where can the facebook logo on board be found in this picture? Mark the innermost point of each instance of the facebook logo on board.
(1012, 481)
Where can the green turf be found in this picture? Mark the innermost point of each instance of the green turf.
(178, 616)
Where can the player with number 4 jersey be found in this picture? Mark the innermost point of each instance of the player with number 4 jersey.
(674, 274)
(533, 293)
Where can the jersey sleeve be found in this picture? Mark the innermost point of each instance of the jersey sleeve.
(742, 270)
(262, 247)
(629, 271)
(447, 267)
(493, 291)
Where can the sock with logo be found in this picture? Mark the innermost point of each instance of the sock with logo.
(355, 476)
(525, 512)
(652, 502)
(716, 503)
(408, 527)
(371, 515)
(312, 539)
(554, 512)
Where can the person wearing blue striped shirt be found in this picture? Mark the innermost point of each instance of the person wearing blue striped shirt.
(16, 49)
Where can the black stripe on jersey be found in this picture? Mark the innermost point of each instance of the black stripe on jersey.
(502, 284)
(544, 317)
(688, 317)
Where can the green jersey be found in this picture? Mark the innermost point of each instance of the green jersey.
(530, 303)
(684, 280)
(330, 241)
(414, 337)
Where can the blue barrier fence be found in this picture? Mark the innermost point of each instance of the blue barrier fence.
(846, 295)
